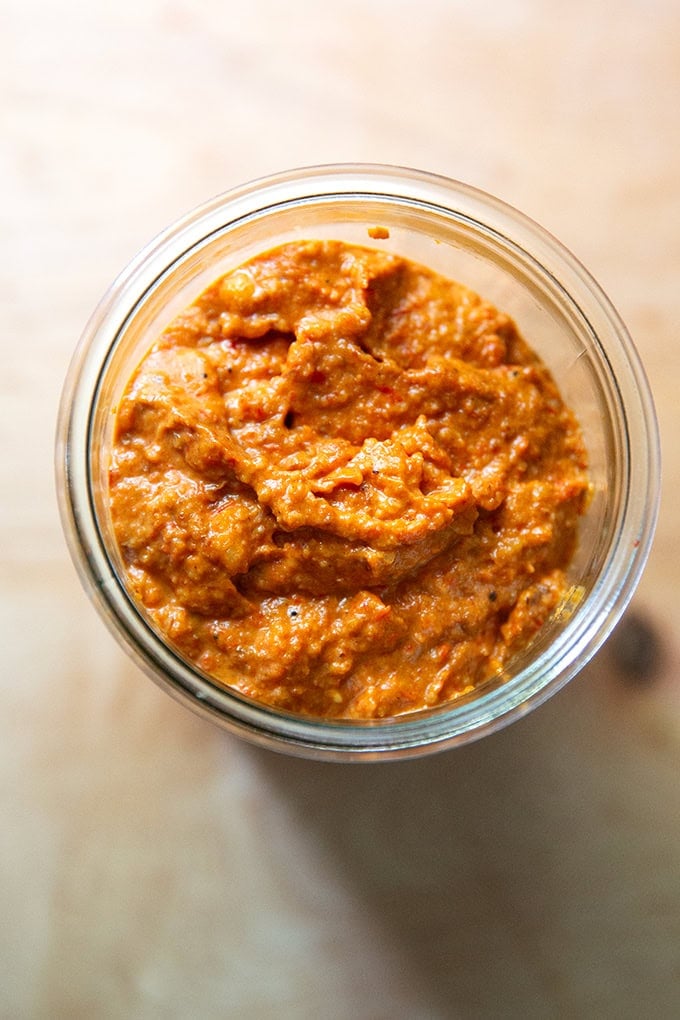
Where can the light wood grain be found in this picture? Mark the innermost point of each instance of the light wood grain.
(154, 867)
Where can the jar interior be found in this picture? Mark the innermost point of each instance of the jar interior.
(499, 269)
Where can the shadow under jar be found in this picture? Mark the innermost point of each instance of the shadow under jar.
(464, 235)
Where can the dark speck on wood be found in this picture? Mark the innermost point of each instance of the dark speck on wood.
(635, 649)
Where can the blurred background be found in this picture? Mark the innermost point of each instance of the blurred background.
(154, 867)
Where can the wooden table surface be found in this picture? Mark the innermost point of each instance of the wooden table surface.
(154, 867)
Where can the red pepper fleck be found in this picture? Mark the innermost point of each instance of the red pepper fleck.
(317, 376)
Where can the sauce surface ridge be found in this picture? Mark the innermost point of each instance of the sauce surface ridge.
(344, 485)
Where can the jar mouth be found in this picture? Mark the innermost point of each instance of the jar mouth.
(461, 232)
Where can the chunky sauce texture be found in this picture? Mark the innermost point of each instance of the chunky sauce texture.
(345, 486)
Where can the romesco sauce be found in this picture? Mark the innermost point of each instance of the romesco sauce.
(345, 486)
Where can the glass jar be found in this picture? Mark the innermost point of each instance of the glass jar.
(465, 235)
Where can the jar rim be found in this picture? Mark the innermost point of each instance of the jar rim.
(419, 732)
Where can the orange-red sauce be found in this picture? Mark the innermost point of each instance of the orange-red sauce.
(345, 486)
